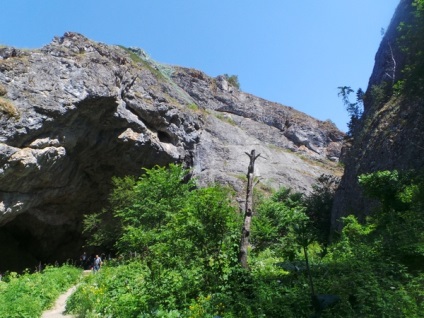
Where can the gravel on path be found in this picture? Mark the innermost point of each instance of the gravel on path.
(59, 307)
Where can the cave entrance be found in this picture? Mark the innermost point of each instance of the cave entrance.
(28, 243)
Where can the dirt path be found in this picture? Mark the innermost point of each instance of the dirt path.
(59, 307)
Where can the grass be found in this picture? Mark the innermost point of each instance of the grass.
(193, 106)
(28, 295)
(335, 167)
(3, 90)
(139, 60)
(226, 119)
(7, 107)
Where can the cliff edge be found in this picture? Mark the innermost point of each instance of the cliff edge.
(76, 112)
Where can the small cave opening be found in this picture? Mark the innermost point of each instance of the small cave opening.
(164, 137)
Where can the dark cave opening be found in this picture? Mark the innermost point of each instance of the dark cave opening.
(28, 243)
(57, 197)
(164, 137)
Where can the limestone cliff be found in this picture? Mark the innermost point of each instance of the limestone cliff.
(75, 113)
(391, 132)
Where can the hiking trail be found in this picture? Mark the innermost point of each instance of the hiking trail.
(58, 309)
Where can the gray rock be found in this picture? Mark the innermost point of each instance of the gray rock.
(80, 112)
(390, 135)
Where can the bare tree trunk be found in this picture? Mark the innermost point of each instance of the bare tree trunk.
(245, 233)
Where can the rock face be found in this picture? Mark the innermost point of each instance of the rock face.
(76, 112)
(391, 135)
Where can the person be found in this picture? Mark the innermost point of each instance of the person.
(97, 263)
(83, 260)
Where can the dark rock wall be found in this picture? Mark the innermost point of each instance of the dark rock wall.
(391, 135)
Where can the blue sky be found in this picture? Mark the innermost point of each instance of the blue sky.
(293, 52)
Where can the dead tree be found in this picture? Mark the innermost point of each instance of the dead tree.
(244, 242)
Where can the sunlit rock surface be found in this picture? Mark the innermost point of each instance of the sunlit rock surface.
(75, 113)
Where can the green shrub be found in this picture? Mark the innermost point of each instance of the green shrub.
(187, 266)
(27, 295)
(411, 43)
(193, 106)
(233, 80)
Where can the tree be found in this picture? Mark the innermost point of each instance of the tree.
(355, 109)
(319, 204)
(248, 212)
(281, 224)
(399, 219)
(233, 80)
(103, 228)
(411, 44)
(274, 216)
(171, 224)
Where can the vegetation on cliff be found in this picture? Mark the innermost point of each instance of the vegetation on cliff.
(389, 133)
(181, 260)
(402, 75)
(411, 43)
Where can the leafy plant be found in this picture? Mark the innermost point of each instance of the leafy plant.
(193, 106)
(319, 205)
(354, 109)
(275, 217)
(27, 295)
(233, 80)
(379, 94)
(187, 241)
(399, 217)
(186, 237)
(411, 44)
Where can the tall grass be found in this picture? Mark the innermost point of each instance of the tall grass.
(28, 295)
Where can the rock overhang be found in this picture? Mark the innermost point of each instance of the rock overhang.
(88, 111)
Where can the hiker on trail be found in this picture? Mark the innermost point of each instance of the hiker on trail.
(83, 260)
(97, 263)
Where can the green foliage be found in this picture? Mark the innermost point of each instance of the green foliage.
(193, 106)
(275, 218)
(187, 242)
(104, 228)
(355, 109)
(319, 205)
(411, 43)
(152, 203)
(399, 217)
(379, 94)
(114, 291)
(370, 285)
(186, 238)
(28, 295)
(233, 80)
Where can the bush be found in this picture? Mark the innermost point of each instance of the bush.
(190, 267)
(233, 80)
(27, 295)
